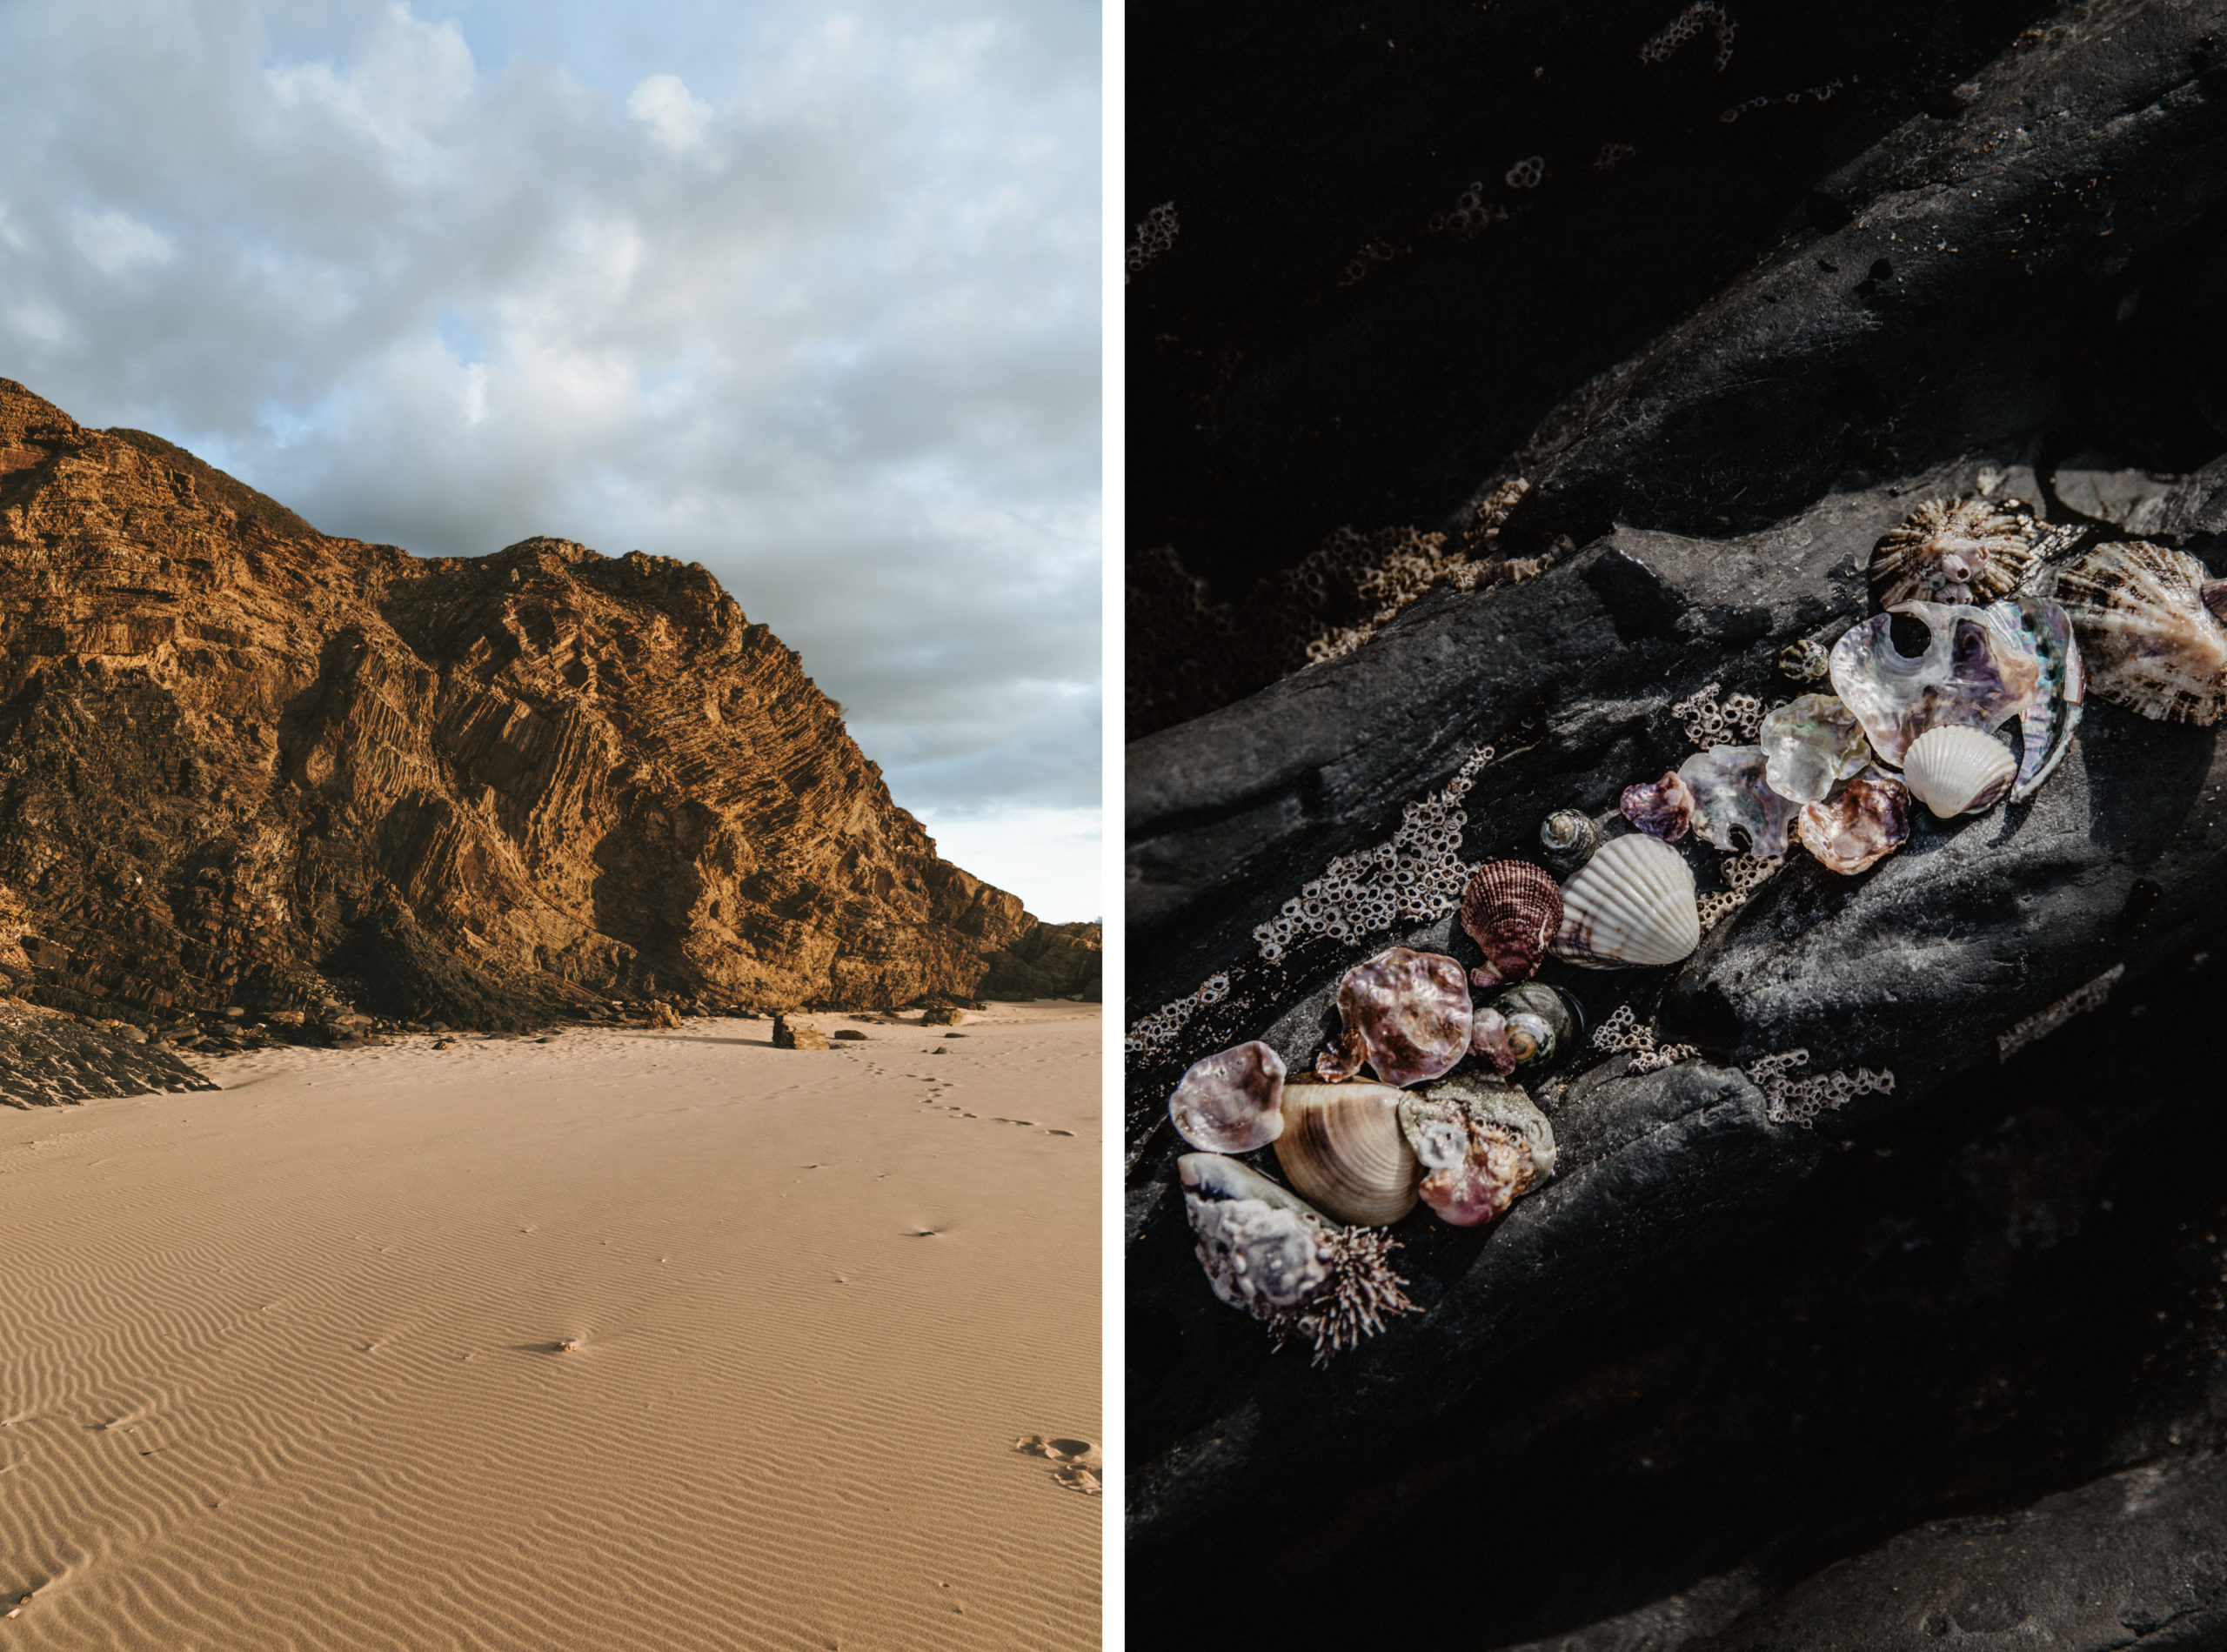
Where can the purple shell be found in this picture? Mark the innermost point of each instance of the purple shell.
(1232, 1101)
(1406, 1014)
(1511, 909)
(1664, 810)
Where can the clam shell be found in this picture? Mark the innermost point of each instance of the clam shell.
(1958, 770)
(1232, 1101)
(1511, 909)
(1860, 824)
(1567, 839)
(1961, 550)
(1632, 904)
(1406, 1014)
(2152, 643)
(1343, 1149)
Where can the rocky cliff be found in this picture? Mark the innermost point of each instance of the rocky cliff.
(242, 760)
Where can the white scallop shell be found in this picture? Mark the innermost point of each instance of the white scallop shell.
(1345, 1153)
(1633, 903)
(1955, 771)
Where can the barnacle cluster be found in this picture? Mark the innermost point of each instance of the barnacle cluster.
(1155, 235)
(1415, 874)
(1732, 722)
(1685, 26)
(1800, 1100)
(1472, 215)
(1622, 1034)
(2047, 1019)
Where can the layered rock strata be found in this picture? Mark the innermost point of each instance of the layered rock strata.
(242, 761)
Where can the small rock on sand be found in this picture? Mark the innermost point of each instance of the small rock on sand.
(790, 1033)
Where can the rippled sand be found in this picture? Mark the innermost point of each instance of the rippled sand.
(626, 1339)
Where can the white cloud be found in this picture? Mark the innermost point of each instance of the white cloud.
(116, 243)
(675, 119)
(847, 357)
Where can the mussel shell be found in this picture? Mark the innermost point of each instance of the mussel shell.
(1867, 819)
(1344, 1151)
(1661, 808)
(1632, 904)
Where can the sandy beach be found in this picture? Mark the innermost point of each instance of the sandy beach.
(659, 1340)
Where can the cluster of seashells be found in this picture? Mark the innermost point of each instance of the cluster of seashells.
(1983, 713)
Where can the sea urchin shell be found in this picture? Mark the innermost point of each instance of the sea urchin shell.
(1268, 1252)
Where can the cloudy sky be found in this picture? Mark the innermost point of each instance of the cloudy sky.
(808, 293)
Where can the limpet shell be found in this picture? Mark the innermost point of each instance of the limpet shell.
(1511, 909)
(1958, 770)
(1632, 904)
(1230, 1101)
(1956, 550)
(2152, 643)
(1342, 1147)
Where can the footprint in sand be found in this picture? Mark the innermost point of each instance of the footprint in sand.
(1079, 1467)
(1059, 1132)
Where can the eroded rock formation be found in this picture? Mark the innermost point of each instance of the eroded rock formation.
(242, 760)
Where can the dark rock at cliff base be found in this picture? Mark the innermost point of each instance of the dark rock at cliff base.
(49, 1060)
(242, 761)
(1957, 325)
(790, 1033)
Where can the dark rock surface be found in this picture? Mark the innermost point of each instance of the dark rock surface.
(54, 1060)
(1721, 1351)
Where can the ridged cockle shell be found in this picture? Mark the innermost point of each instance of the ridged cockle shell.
(1511, 910)
(1342, 1149)
(1633, 903)
(1731, 790)
(2152, 642)
(1269, 1253)
(1664, 809)
(1406, 1014)
(1232, 1101)
(1810, 745)
(1860, 824)
(1958, 770)
(1979, 669)
(1482, 1144)
(1957, 551)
